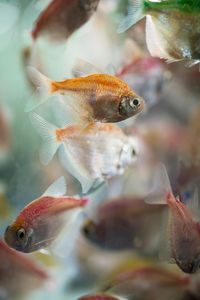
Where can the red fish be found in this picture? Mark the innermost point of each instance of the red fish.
(62, 17)
(184, 229)
(149, 283)
(18, 273)
(40, 222)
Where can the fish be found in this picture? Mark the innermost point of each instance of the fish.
(5, 208)
(98, 297)
(97, 151)
(39, 224)
(172, 27)
(126, 223)
(62, 17)
(146, 75)
(184, 228)
(97, 97)
(19, 275)
(5, 135)
(149, 283)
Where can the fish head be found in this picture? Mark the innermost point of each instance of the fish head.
(93, 232)
(88, 5)
(190, 264)
(130, 105)
(129, 153)
(19, 237)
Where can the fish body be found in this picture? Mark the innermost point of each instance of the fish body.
(184, 232)
(126, 223)
(96, 151)
(62, 17)
(149, 283)
(172, 27)
(97, 97)
(18, 273)
(5, 135)
(40, 222)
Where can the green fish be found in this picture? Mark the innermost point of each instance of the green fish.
(172, 27)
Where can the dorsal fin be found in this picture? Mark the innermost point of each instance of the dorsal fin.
(160, 186)
(56, 189)
(84, 68)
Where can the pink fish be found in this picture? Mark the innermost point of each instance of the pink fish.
(184, 229)
(18, 273)
(149, 283)
(40, 222)
(62, 17)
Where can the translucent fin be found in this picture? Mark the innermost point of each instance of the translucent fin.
(84, 68)
(57, 189)
(135, 14)
(153, 42)
(47, 132)
(43, 88)
(64, 244)
(160, 186)
(111, 70)
(62, 114)
(72, 167)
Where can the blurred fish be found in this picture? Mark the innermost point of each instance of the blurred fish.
(40, 222)
(5, 207)
(62, 17)
(149, 283)
(126, 223)
(98, 97)
(184, 229)
(172, 27)
(19, 274)
(5, 134)
(146, 75)
(98, 297)
(97, 151)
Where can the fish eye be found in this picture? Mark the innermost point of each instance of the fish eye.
(21, 234)
(135, 102)
(86, 231)
(133, 152)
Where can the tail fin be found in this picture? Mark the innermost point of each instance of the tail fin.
(48, 133)
(135, 14)
(43, 88)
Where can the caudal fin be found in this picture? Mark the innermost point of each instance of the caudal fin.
(48, 133)
(43, 88)
(135, 14)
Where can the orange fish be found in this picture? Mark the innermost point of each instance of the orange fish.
(97, 97)
(62, 17)
(19, 274)
(40, 222)
(98, 151)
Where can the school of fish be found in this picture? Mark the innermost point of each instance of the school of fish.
(100, 150)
